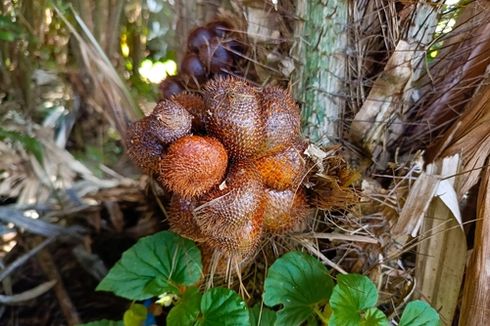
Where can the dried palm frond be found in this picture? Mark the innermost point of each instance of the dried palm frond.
(475, 308)
(110, 91)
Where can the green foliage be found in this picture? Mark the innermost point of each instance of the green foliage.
(163, 262)
(169, 267)
(187, 309)
(262, 316)
(350, 298)
(9, 30)
(300, 283)
(419, 313)
(135, 315)
(30, 144)
(221, 306)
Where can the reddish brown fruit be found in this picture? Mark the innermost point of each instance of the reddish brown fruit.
(143, 148)
(281, 118)
(215, 57)
(170, 86)
(181, 219)
(220, 28)
(233, 208)
(286, 211)
(193, 68)
(169, 121)
(199, 37)
(242, 244)
(194, 104)
(234, 116)
(193, 165)
(282, 170)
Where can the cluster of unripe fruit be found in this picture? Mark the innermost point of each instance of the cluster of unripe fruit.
(232, 158)
(212, 50)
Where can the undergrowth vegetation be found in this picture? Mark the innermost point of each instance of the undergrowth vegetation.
(166, 270)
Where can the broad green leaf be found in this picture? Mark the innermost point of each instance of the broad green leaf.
(223, 307)
(162, 262)
(104, 322)
(419, 313)
(299, 282)
(352, 294)
(262, 316)
(374, 317)
(135, 315)
(186, 310)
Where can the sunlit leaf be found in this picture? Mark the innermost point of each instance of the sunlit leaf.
(135, 315)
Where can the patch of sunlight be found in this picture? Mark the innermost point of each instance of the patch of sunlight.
(155, 72)
(124, 45)
(451, 2)
(445, 26)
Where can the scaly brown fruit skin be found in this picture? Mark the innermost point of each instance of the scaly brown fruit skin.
(147, 138)
(181, 218)
(199, 37)
(234, 116)
(215, 56)
(281, 118)
(286, 211)
(194, 104)
(170, 86)
(238, 204)
(193, 70)
(169, 121)
(220, 28)
(193, 165)
(282, 170)
(143, 148)
(242, 244)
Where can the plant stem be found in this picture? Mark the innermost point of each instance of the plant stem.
(320, 315)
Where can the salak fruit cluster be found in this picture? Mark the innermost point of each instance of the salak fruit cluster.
(232, 159)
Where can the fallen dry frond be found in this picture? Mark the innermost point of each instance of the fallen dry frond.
(475, 308)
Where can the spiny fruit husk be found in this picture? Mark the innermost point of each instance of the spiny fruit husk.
(281, 118)
(282, 170)
(169, 121)
(242, 244)
(286, 211)
(234, 116)
(170, 86)
(193, 165)
(143, 148)
(233, 207)
(181, 219)
(194, 104)
(215, 56)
